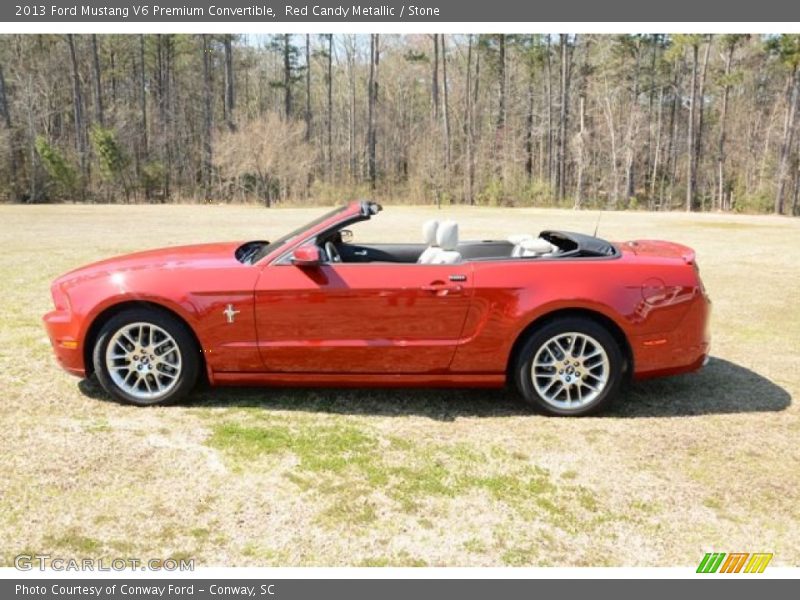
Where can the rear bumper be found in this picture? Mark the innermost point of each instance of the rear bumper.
(683, 350)
(63, 334)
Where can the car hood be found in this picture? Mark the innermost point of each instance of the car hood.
(198, 256)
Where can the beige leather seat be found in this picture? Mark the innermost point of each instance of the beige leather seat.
(530, 246)
(447, 239)
(429, 229)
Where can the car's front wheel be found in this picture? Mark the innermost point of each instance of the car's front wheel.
(145, 357)
(570, 367)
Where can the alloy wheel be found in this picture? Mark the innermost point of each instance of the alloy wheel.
(144, 361)
(570, 370)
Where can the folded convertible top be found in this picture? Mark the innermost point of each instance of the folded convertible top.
(580, 244)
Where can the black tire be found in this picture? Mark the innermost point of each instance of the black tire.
(523, 373)
(189, 353)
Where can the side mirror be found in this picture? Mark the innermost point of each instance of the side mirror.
(346, 234)
(306, 256)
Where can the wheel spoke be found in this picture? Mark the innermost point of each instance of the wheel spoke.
(591, 387)
(593, 376)
(162, 343)
(125, 336)
(571, 351)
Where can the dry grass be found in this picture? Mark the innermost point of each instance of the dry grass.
(329, 477)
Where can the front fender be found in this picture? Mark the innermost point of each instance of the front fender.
(198, 298)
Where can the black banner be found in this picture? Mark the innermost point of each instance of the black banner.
(387, 589)
(334, 11)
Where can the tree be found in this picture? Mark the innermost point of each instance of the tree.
(230, 87)
(693, 43)
(582, 139)
(207, 116)
(788, 49)
(291, 71)
(98, 84)
(62, 174)
(501, 78)
(469, 132)
(566, 70)
(729, 44)
(445, 113)
(701, 100)
(266, 157)
(307, 114)
(143, 96)
(111, 157)
(372, 100)
(329, 128)
(80, 126)
(590, 121)
(12, 150)
(435, 79)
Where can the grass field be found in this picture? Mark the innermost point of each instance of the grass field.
(237, 477)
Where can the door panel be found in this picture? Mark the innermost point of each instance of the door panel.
(485, 249)
(361, 318)
(362, 253)
(409, 253)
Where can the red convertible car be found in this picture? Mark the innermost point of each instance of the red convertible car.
(567, 318)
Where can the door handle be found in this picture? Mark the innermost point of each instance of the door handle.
(442, 289)
(360, 252)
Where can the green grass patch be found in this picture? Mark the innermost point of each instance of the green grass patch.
(520, 557)
(343, 466)
(401, 560)
(326, 448)
(475, 546)
(75, 542)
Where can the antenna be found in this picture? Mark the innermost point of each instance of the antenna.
(597, 224)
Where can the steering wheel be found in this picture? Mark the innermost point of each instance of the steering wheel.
(332, 252)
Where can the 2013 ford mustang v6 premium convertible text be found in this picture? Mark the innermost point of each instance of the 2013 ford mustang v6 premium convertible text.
(566, 317)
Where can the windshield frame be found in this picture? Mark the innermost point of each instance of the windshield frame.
(282, 241)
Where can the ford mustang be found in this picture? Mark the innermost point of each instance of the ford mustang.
(566, 318)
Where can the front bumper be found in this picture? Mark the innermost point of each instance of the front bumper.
(63, 334)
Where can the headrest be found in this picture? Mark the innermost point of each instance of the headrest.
(538, 246)
(518, 238)
(429, 231)
(447, 235)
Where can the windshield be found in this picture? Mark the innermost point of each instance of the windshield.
(272, 246)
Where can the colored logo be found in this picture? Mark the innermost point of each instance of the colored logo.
(735, 562)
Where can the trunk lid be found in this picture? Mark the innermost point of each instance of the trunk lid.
(660, 249)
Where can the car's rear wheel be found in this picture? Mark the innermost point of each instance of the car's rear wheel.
(146, 357)
(569, 367)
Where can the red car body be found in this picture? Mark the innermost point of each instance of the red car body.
(377, 323)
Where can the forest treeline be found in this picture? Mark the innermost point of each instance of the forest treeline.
(693, 122)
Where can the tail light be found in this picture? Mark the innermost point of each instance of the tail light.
(699, 279)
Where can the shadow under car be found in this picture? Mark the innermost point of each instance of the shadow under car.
(721, 387)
